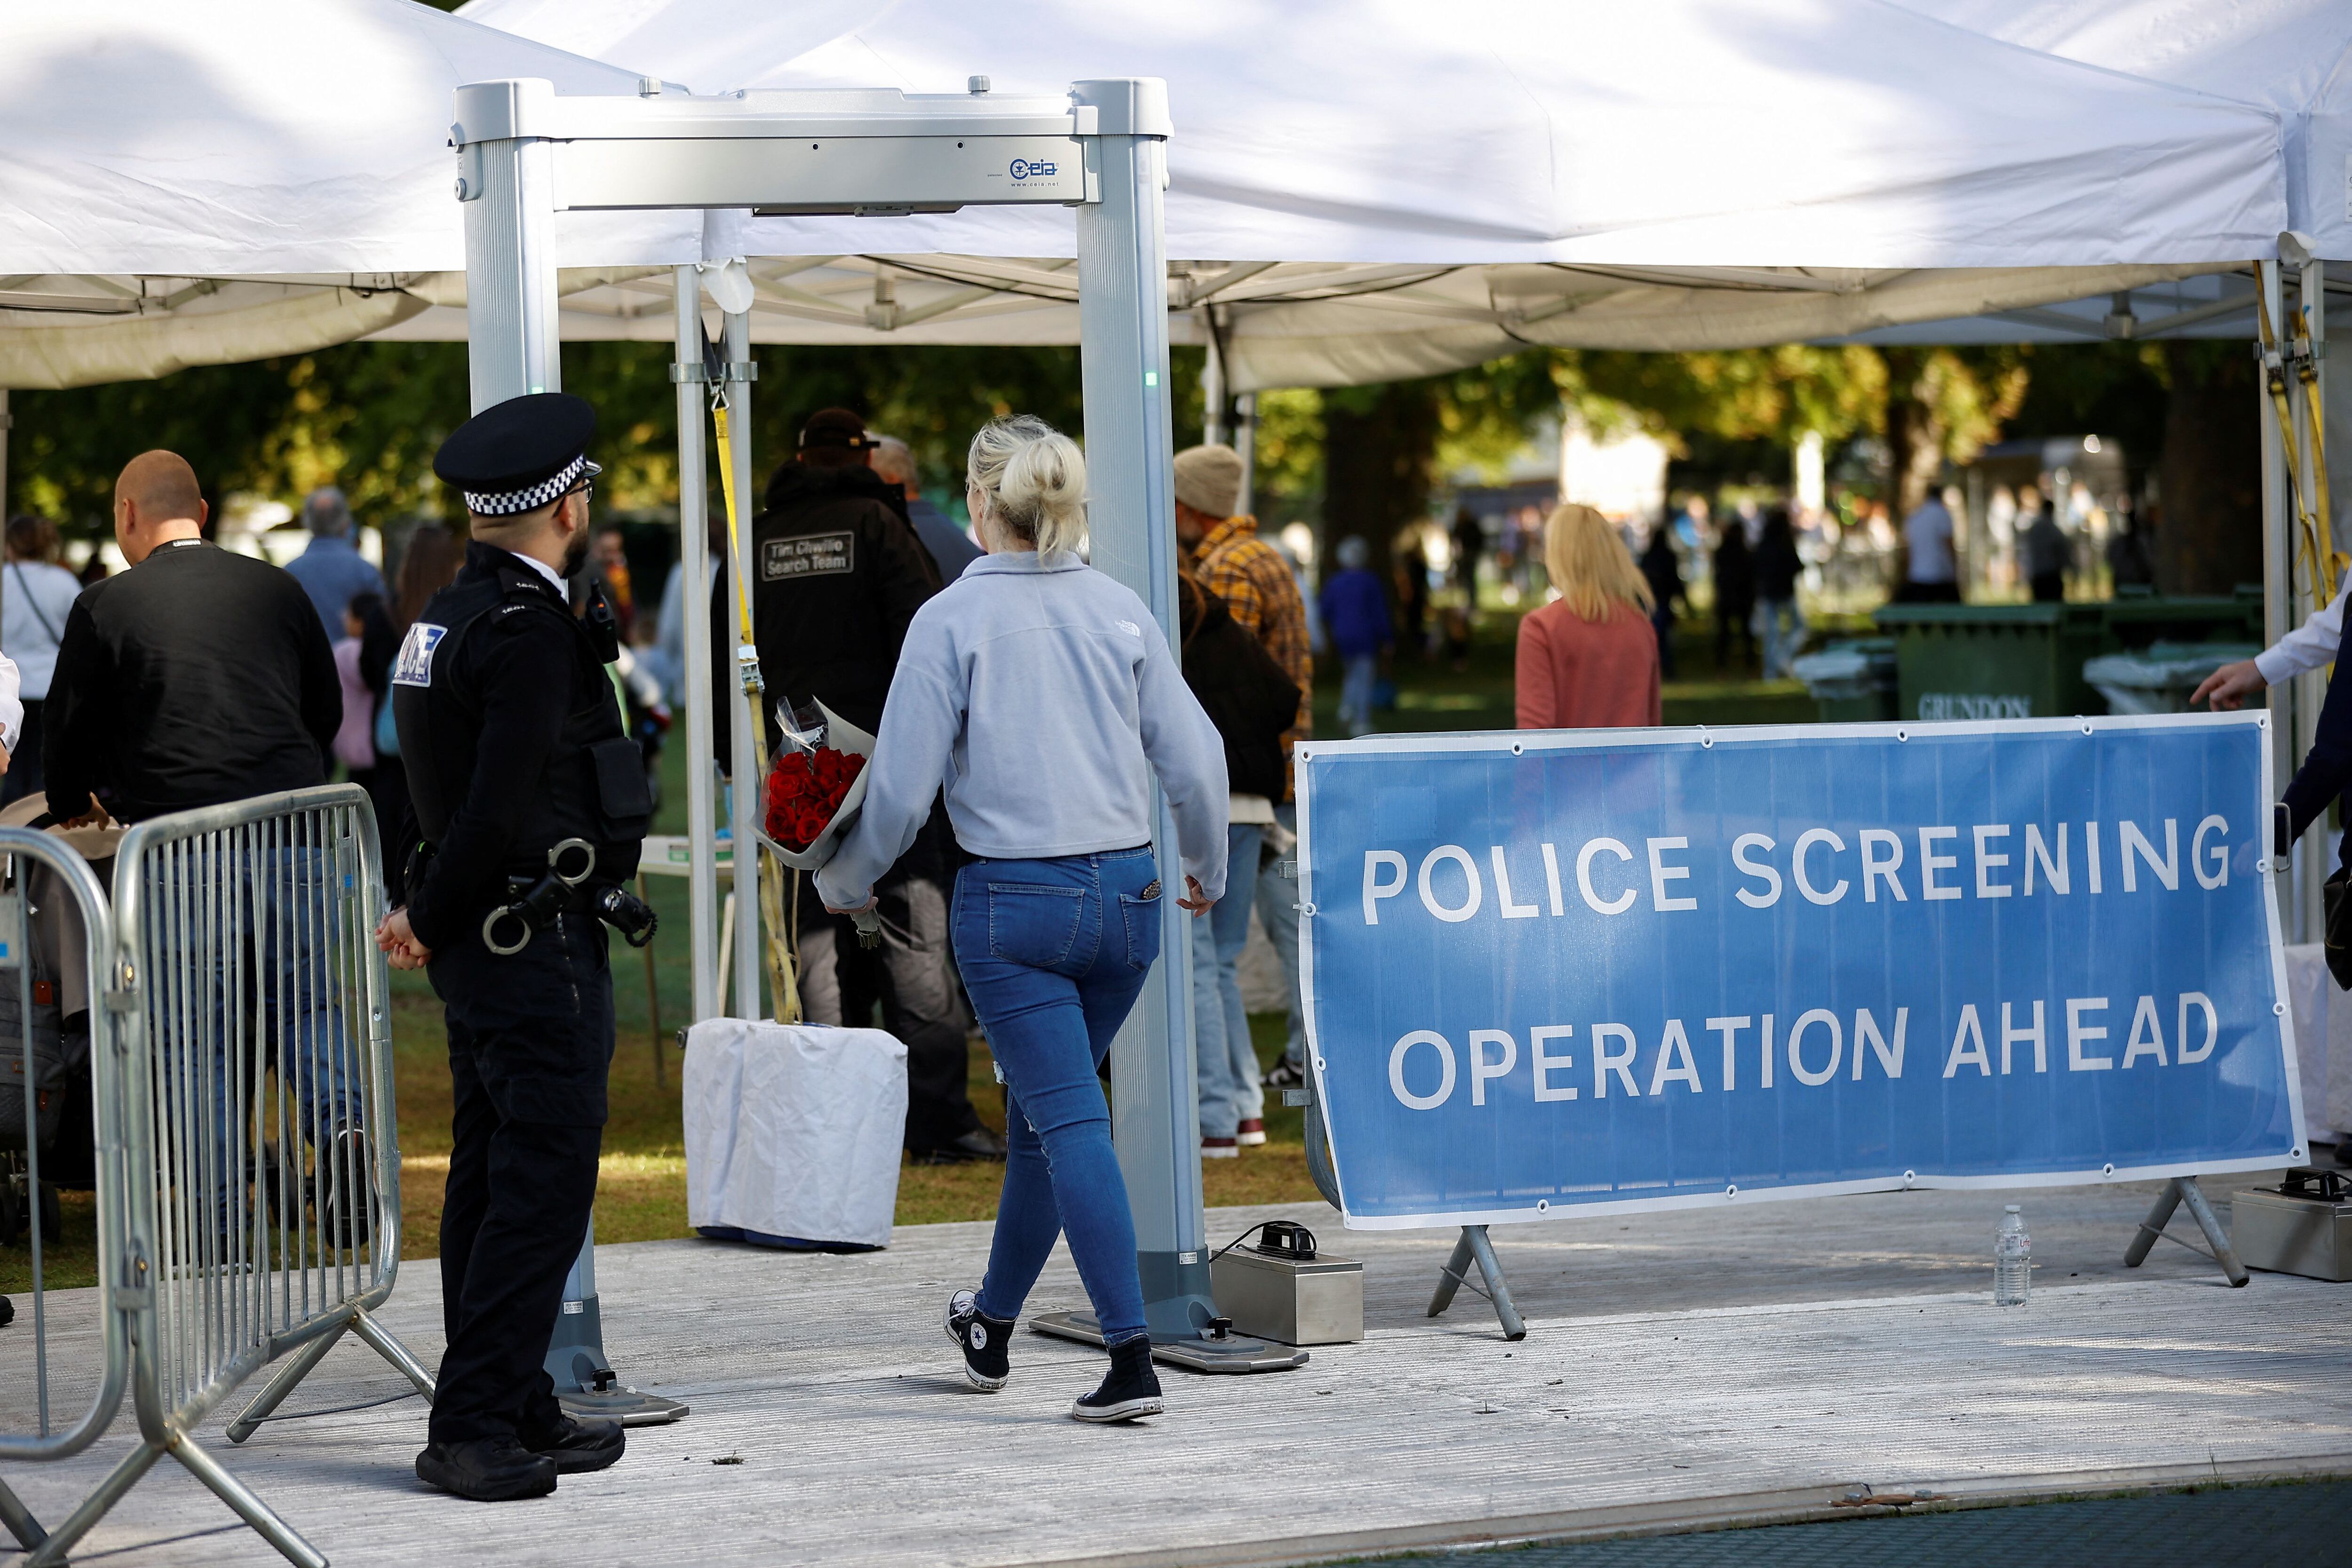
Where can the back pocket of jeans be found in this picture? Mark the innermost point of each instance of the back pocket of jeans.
(1142, 921)
(1033, 924)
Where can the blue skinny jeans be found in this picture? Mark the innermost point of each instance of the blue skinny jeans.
(1054, 954)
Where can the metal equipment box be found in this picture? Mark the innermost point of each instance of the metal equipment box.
(1290, 1293)
(2304, 1225)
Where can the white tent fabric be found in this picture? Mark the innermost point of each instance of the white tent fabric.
(2295, 56)
(1371, 187)
(1394, 189)
(189, 185)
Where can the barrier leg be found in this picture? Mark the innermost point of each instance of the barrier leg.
(2211, 1224)
(274, 1394)
(378, 1339)
(20, 1520)
(248, 1508)
(51, 1553)
(2153, 1225)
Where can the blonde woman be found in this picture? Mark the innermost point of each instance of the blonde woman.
(1042, 697)
(1589, 659)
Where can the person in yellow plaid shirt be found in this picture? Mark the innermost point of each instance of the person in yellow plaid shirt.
(1254, 580)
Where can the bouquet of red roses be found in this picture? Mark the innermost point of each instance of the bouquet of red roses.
(814, 786)
(805, 790)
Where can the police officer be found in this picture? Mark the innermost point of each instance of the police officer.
(528, 804)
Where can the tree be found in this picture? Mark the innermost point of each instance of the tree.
(2209, 538)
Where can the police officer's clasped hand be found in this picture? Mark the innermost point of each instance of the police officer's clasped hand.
(401, 949)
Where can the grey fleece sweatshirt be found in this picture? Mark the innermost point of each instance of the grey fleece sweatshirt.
(1042, 694)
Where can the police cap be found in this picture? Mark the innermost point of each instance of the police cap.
(518, 456)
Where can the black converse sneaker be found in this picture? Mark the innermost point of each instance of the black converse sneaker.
(987, 1342)
(1131, 1388)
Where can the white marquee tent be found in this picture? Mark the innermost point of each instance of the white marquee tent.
(1390, 188)
(192, 184)
(1361, 188)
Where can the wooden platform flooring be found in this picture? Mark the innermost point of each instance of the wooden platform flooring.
(1682, 1367)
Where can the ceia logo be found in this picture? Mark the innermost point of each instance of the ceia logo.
(1022, 168)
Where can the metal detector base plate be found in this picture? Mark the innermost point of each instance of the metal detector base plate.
(1237, 1355)
(626, 1406)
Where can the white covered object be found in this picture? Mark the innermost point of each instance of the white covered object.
(793, 1130)
(2323, 1042)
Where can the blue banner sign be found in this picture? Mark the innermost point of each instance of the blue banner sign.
(1663, 968)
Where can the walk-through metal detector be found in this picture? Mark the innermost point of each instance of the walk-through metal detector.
(526, 153)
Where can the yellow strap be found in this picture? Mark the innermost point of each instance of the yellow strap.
(734, 539)
(2316, 558)
(2314, 414)
(783, 970)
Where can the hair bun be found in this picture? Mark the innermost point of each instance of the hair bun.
(1034, 479)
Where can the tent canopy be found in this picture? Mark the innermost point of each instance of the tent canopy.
(242, 179)
(1391, 190)
(1362, 189)
(2293, 56)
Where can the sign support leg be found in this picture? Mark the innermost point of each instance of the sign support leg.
(1476, 1245)
(2178, 1191)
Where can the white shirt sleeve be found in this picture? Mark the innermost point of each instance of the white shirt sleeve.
(2309, 645)
(12, 707)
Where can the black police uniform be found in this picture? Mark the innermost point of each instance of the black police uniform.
(513, 744)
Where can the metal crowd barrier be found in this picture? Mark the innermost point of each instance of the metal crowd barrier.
(253, 1092)
(65, 878)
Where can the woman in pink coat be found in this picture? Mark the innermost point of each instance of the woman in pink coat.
(1589, 659)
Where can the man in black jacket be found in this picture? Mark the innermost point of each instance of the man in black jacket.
(838, 574)
(198, 678)
(190, 680)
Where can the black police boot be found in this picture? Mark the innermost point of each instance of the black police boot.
(1131, 1388)
(963, 1149)
(487, 1469)
(987, 1342)
(578, 1447)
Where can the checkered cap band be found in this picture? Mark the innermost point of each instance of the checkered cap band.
(511, 503)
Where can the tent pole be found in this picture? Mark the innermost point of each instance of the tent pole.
(2311, 689)
(2278, 596)
(693, 556)
(743, 796)
(1245, 444)
(8, 422)
(1123, 335)
(1213, 381)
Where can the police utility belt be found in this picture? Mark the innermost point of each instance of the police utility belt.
(536, 904)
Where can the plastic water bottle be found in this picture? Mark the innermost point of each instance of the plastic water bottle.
(2013, 1259)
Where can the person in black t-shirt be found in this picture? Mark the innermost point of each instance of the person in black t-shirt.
(198, 677)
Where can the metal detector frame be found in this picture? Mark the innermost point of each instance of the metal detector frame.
(526, 153)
